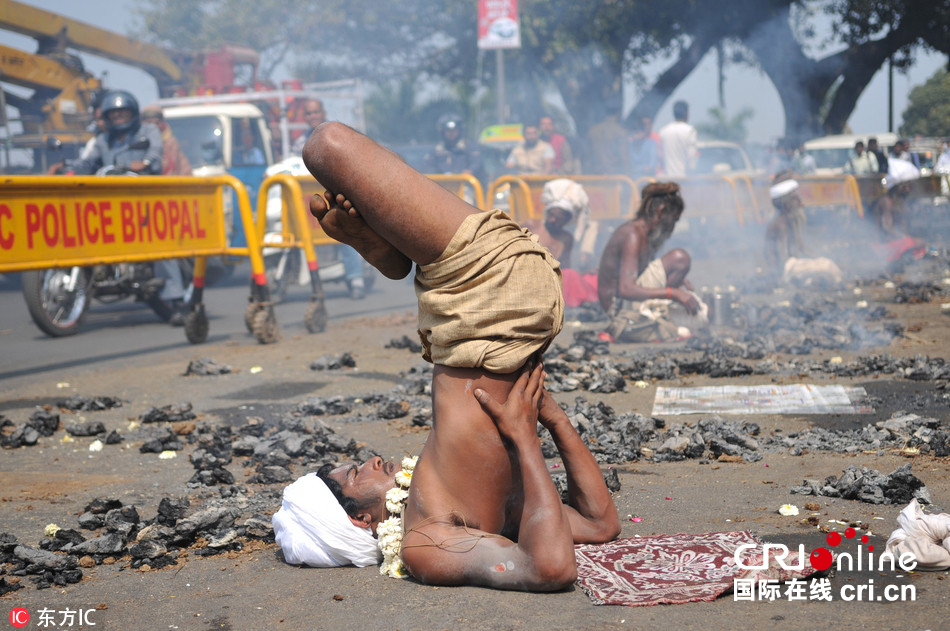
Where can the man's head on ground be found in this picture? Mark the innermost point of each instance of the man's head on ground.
(784, 192)
(314, 112)
(661, 206)
(361, 488)
(681, 111)
(312, 528)
(531, 135)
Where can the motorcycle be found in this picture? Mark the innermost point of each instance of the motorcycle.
(58, 299)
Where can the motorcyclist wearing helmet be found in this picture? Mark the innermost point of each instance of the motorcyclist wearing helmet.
(452, 154)
(124, 130)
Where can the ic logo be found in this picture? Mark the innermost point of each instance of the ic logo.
(19, 617)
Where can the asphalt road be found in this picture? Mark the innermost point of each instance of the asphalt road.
(126, 329)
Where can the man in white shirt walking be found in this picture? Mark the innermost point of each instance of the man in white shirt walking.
(678, 140)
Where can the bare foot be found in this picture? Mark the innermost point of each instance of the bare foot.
(341, 221)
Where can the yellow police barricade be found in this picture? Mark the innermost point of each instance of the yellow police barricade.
(299, 229)
(828, 192)
(711, 201)
(73, 222)
(464, 185)
(611, 196)
(746, 202)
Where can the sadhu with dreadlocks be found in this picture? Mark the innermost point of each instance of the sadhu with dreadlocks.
(649, 299)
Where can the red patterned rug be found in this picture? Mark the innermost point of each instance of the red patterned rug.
(680, 568)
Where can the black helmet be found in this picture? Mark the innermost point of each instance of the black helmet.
(450, 121)
(117, 100)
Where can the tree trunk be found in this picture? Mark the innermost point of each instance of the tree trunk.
(654, 98)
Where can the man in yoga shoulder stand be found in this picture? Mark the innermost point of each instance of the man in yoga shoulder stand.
(482, 508)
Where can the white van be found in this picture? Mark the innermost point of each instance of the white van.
(832, 152)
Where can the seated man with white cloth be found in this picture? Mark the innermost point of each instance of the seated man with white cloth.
(649, 299)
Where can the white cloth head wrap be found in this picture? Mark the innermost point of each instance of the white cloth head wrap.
(783, 188)
(313, 529)
(570, 197)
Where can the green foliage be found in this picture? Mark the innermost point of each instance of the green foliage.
(928, 108)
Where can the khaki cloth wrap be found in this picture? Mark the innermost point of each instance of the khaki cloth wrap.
(492, 299)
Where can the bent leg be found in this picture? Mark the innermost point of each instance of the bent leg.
(403, 207)
(676, 263)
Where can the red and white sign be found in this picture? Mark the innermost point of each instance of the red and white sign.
(498, 25)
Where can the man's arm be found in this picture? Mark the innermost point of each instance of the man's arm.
(444, 553)
(590, 510)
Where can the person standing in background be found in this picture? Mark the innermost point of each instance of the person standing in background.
(678, 143)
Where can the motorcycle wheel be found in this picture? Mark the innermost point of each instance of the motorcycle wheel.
(56, 310)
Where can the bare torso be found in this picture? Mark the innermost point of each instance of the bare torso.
(464, 474)
(628, 240)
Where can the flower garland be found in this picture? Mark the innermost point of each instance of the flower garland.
(389, 532)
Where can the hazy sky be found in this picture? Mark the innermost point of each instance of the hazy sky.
(745, 87)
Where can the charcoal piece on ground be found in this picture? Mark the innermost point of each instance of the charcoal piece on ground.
(206, 367)
(122, 520)
(8, 585)
(22, 437)
(44, 422)
(79, 403)
(276, 457)
(148, 549)
(166, 441)
(208, 519)
(870, 486)
(940, 443)
(169, 413)
(317, 406)
(89, 428)
(212, 477)
(258, 527)
(422, 418)
(271, 474)
(333, 362)
(156, 531)
(101, 505)
(113, 438)
(295, 445)
(38, 560)
(171, 509)
(607, 381)
(249, 446)
(405, 342)
(64, 537)
(109, 544)
(393, 409)
(91, 521)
